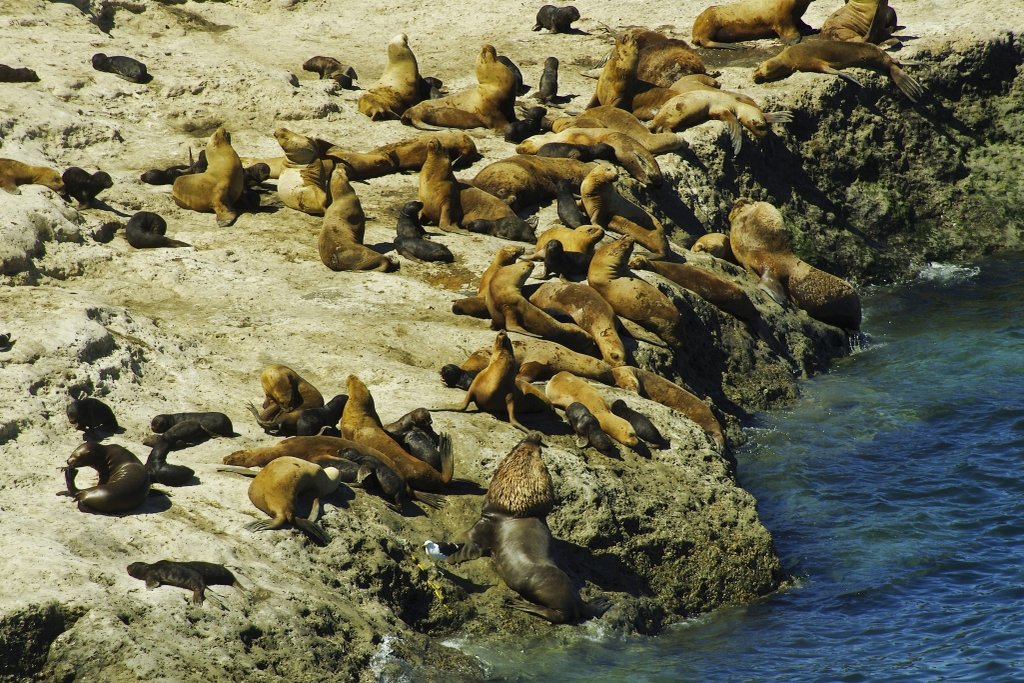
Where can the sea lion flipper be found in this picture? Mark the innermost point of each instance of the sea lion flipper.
(840, 74)
(732, 125)
(444, 447)
(552, 615)
(771, 286)
(313, 530)
(907, 84)
(433, 500)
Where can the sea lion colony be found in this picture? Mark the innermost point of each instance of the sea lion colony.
(571, 334)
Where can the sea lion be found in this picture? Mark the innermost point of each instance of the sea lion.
(128, 68)
(160, 472)
(398, 88)
(716, 244)
(277, 486)
(212, 422)
(340, 244)
(557, 262)
(488, 105)
(521, 485)
(861, 21)
(630, 296)
(618, 80)
(566, 388)
(83, 186)
(547, 90)
(147, 230)
(193, 575)
(106, 232)
(360, 423)
(734, 110)
(314, 421)
(629, 153)
(721, 25)
(510, 310)
(642, 424)
(623, 122)
(589, 310)
(540, 359)
(10, 74)
(762, 245)
(524, 179)
(568, 210)
(584, 153)
(655, 387)
(507, 228)
(556, 19)
(123, 480)
(6, 343)
(303, 182)
(475, 305)
(329, 67)
(14, 173)
(287, 394)
(218, 187)
(588, 430)
(520, 88)
(829, 57)
(167, 176)
(439, 189)
(415, 433)
(321, 450)
(582, 240)
(663, 59)
(610, 210)
(410, 237)
(530, 124)
(90, 415)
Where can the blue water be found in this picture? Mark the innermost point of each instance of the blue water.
(894, 490)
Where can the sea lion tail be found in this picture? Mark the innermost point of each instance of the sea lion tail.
(419, 125)
(783, 116)
(433, 500)
(313, 530)
(907, 84)
(244, 471)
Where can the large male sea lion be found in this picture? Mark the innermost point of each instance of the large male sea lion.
(341, 237)
(861, 21)
(303, 182)
(217, 189)
(722, 25)
(663, 59)
(123, 480)
(14, 173)
(524, 179)
(398, 88)
(610, 210)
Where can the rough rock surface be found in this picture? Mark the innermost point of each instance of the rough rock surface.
(871, 187)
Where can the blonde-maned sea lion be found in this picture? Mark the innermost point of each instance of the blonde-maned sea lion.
(303, 182)
(655, 387)
(762, 245)
(276, 488)
(341, 238)
(830, 57)
(631, 297)
(664, 59)
(286, 394)
(716, 244)
(217, 189)
(610, 210)
(476, 306)
(525, 179)
(618, 80)
(862, 21)
(488, 105)
(722, 25)
(734, 110)
(14, 173)
(566, 388)
(521, 485)
(398, 87)
(589, 310)
(624, 122)
(630, 153)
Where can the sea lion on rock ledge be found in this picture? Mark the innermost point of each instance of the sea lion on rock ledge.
(217, 189)
(14, 173)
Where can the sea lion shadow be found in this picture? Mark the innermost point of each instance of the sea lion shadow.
(679, 214)
(97, 203)
(98, 434)
(464, 487)
(470, 587)
(382, 247)
(600, 569)
(156, 502)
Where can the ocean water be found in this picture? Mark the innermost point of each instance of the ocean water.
(894, 490)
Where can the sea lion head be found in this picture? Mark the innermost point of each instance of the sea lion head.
(298, 148)
(397, 46)
(509, 253)
(502, 343)
(48, 177)
(88, 453)
(561, 123)
(412, 209)
(488, 55)
(752, 119)
(520, 271)
(220, 137)
(521, 486)
(592, 233)
(773, 69)
(602, 174)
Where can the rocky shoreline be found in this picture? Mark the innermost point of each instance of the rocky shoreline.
(871, 188)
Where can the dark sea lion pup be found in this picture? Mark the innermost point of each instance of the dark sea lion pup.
(217, 424)
(9, 74)
(410, 237)
(588, 430)
(83, 186)
(512, 529)
(314, 421)
(556, 19)
(642, 424)
(455, 377)
(6, 343)
(547, 91)
(146, 230)
(193, 575)
(329, 67)
(123, 67)
(90, 415)
(528, 126)
(161, 472)
(123, 480)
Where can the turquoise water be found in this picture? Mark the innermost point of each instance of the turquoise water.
(894, 490)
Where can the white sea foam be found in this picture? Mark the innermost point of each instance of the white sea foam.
(948, 273)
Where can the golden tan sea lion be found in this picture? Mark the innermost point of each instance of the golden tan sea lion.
(488, 105)
(524, 179)
(722, 25)
(341, 238)
(276, 489)
(631, 297)
(589, 310)
(648, 103)
(762, 245)
(320, 450)
(540, 359)
(618, 80)
(734, 110)
(708, 285)
(829, 57)
(581, 240)
(861, 21)
(286, 394)
(664, 59)
(405, 155)
(657, 388)
(398, 87)
(607, 208)
(624, 122)
(303, 181)
(476, 306)
(566, 388)
(216, 189)
(14, 173)
(630, 153)
(439, 189)
(716, 244)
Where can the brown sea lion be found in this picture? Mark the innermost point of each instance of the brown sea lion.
(610, 210)
(735, 111)
(341, 238)
(566, 388)
(630, 296)
(655, 387)
(524, 179)
(582, 240)
(83, 186)
(123, 480)
(721, 25)
(556, 19)
(321, 450)
(488, 105)
(861, 21)
(510, 310)
(762, 245)
(303, 182)
(360, 423)
(286, 394)
(521, 485)
(128, 68)
(162, 472)
(14, 173)
(217, 189)
(11, 74)
(148, 230)
(642, 425)
(624, 122)
(276, 488)
(713, 288)
(629, 152)
(439, 189)
(404, 155)
(716, 244)
(829, 57)
(547, 89)
(476, 306)
(329, 67)
(212, 422)
(539, 359)
(588, 430)
(589, 310)
(192, 575)
(664, 59)
(90, 415)
(648, 103)
(618, 80)
(398, 88)
(530, 124)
